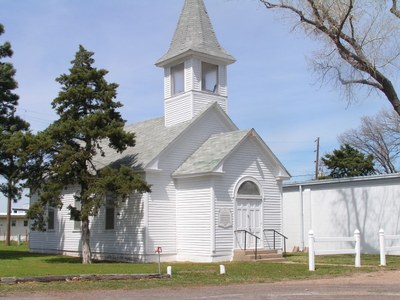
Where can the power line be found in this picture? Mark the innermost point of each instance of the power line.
(33, 111)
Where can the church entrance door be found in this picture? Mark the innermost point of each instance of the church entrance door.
(248, 223)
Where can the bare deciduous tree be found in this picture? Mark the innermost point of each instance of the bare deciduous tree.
(379, 136)
(361, 41)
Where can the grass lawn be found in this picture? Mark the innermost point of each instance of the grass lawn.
(16, 261)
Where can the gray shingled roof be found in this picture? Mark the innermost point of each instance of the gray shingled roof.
(151, 138)
(211, 153)
(194, 32)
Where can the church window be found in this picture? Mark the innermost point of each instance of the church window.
(50, 218)
(110, 211)
(178, 79)
(249, 188)
(209, 78)
(77, 223)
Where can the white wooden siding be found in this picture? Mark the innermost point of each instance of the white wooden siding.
(162, 214)
(63, 238)
(178, 109)
(222, 80)
(183, 107)
(167, 83)
(126, 242)
(193, 75)
(188, 75)
(202, 99)
(196, 74)
(193, 219)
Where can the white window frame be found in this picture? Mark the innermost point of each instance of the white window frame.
(178, 79)
(209, 77)
(77, 224)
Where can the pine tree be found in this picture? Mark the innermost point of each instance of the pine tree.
(88, 116)
(14, 136)
(348, 162)
(8, 100)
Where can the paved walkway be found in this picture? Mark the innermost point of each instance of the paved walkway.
(378, 285)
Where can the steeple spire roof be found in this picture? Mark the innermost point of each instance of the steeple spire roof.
(194, 33)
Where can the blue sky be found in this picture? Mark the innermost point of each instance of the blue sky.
(271, 87)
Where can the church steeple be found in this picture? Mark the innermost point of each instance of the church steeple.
(195, 66)
(194, 33)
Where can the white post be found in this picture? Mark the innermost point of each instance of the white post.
(382, 249)
(311, 251)
(302, 231)
(159, 263)
(221, 269)
(169, 271)
(357, 248)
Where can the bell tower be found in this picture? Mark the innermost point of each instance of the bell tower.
(195, 66)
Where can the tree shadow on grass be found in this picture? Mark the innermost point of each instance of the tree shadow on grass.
(77, 260)
(63, 260)
(16, 255)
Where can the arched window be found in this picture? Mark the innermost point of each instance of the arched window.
(248, 188)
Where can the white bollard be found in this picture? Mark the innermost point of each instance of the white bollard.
(221, 269)
(311, 251)
(382, 250)
(169, 271)
(357, 248)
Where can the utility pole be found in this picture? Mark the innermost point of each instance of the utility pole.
(317, 159)
(9, 193)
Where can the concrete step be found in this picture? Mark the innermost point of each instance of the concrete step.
(271, 259)
(262, 255)
(259, 251)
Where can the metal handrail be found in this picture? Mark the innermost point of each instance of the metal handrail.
(284, 238)
(245, 235)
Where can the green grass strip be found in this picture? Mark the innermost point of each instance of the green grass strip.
(16, 261)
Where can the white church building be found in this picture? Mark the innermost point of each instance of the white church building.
(214, 187)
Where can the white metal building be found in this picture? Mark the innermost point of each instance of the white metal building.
(337, 207)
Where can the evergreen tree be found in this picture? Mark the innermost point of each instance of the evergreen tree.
(348, 162)
(87, 118)
(14, 136)
(8, 100)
